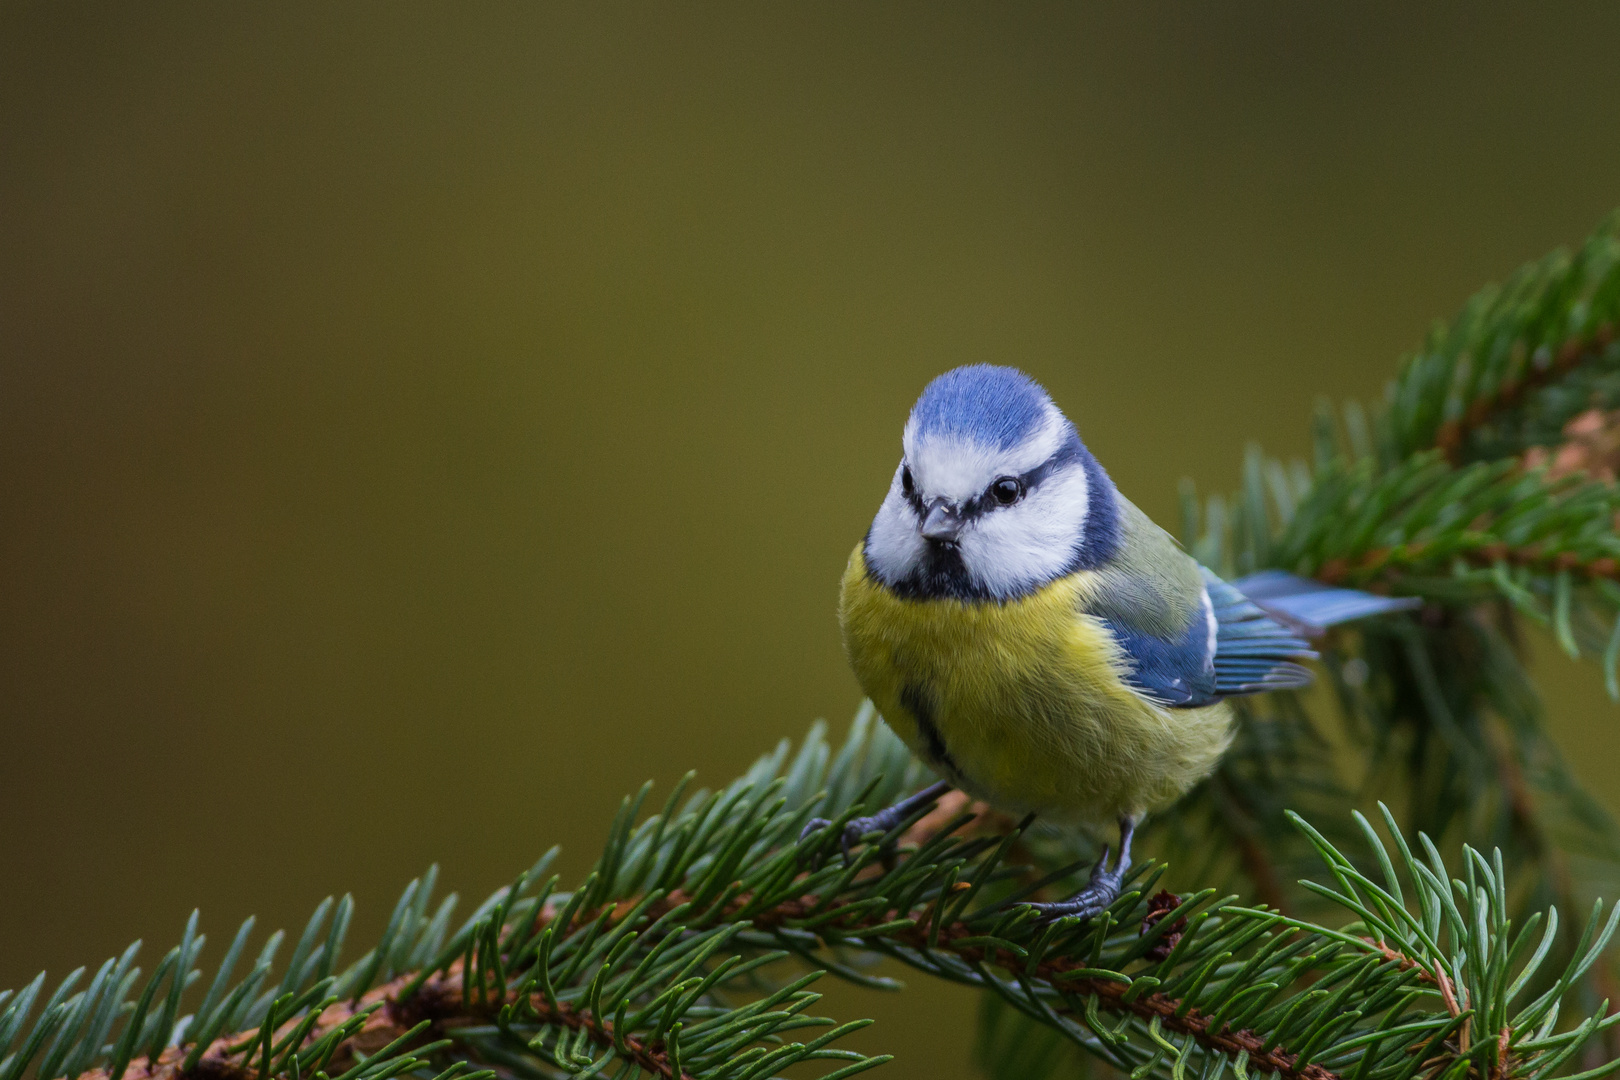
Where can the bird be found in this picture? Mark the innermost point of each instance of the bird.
(1038, 641)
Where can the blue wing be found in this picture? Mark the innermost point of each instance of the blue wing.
(1261, 625)
(1177, 672)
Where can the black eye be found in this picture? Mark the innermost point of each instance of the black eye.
(1007, 490)
(906, 483)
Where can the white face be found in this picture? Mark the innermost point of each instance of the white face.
(1005, 548)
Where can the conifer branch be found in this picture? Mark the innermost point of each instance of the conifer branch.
(415, 1012)
(667, 962)
(1571, 353)
(1483, 484)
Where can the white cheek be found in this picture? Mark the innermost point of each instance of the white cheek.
(894, 547)
(1024, 546)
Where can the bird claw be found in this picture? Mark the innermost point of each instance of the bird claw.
(1097, 897)
(858, 829)
(855, 830)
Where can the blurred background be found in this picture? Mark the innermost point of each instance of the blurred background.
(420, 425)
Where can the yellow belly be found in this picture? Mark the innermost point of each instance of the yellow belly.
(1024, 703)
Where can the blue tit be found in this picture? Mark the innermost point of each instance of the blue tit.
(1037, 640)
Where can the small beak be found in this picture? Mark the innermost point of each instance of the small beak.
(942, 523)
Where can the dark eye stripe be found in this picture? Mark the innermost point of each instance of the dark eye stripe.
(1031, 479)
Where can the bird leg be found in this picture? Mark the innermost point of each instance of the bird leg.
(882, 821)
(1103, 889)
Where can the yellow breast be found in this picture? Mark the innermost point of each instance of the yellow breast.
(1024, 702)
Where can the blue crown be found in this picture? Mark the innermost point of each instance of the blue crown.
(994, 406)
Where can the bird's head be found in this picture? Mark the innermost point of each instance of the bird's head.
(995, 494)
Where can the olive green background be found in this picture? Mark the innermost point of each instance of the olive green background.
(419, 425)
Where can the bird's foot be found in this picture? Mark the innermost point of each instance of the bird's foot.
(1103, 888)
(1091, 901)
(884, 821)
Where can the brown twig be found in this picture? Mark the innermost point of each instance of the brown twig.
(1111, 995)
(1503, 1039)
(1451, 435)
(1387, 562)
(1406, 962)
(440, 1000)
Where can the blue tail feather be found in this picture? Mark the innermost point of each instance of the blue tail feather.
(1312, 607)
(1262, 622)
(1253, 652)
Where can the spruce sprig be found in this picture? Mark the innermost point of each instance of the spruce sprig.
(669, 961)
(1484, 485)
